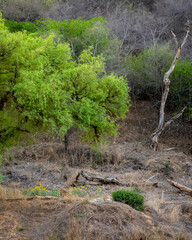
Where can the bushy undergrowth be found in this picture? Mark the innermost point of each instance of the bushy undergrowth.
(132, 198)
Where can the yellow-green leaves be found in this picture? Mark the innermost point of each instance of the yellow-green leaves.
(49, 90)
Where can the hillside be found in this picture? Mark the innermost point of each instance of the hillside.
(81, 86)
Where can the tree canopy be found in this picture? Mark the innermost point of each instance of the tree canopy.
(42, 87)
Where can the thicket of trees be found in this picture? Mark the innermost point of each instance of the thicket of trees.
(43, 87)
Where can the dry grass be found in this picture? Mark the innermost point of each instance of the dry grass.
(81, 220)
(169, 211)
(75, 231)
(172, 213)
(10, 193)
(181, 236)
(135, 179)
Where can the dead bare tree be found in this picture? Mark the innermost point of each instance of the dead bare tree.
(162, 125)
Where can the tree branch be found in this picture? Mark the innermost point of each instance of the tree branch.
(166, 80)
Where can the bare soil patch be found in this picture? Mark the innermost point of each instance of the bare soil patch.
(168, 212)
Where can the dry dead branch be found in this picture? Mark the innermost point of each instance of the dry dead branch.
(166, 80)
(170, 149)
(102, 180)
(180, 187)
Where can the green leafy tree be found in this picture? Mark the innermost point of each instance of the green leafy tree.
(41, 87)
(81, 34)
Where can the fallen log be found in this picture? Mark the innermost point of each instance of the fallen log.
(180, 187)
(106, 180)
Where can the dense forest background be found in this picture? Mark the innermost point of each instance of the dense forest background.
(133, 26)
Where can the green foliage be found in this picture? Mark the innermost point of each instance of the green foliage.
(41, 87)
(14, 26)
(181, 85)
(132, 198)
(146, 70)
(81, 34)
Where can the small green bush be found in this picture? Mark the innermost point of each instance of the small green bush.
(145, 71)
(132, 198)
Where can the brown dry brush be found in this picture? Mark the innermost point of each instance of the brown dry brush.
(67, 219)
(105, 221)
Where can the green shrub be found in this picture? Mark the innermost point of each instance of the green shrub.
(145, 71)
(132, 198)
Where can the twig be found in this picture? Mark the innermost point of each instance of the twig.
(152, 177)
